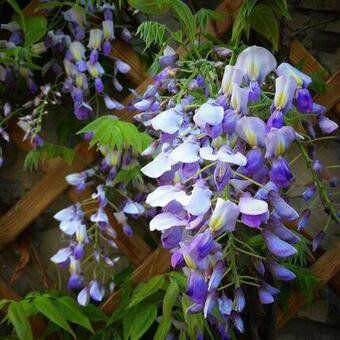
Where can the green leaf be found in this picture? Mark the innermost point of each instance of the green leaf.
(36, 28)
(204, 15)
(47, 308)
(263, 21)
(113, 133)
(3, 303)
(178, 36)
(280, 8)
(120, 311)
(152, 32)
(168, 303)
(194, 322)
(180, 278)
(146, 289)
(241, 23)
(127, 175)
(94, 313)
(151, 7)
(17, 9)
(19, 320)
(305, 280)
(139, 320)
(318, 85)
(185, 17)
(72, 312)
(46, 152)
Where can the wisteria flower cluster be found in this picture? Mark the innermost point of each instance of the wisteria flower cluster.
(218, 178)
(221, 175)
(74, 53)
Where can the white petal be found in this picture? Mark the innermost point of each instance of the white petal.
(157, 167)
(239, 184)
(210, 114)
(207, 153)
(185, 153)
(65, 214)
(61, 256)
(233, 158)
(166, 221)
(165, 194)
(133, 208)
(199, 201)
(168, 121)
(252, 206)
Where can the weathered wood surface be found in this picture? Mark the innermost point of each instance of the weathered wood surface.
(325, 268)
(134, 247)
(299, 54)
(332, 95)
(32, 204)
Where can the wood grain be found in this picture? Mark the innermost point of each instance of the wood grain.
(299, 54)
(325, 268)
(332, 95)
(41, 195)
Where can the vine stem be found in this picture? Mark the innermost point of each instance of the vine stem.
(318, 183)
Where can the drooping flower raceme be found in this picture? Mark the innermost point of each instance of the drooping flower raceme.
(219, 171)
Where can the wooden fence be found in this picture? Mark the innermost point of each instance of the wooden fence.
(148, 262)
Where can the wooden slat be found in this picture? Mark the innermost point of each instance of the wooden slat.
(298, 53)
(32, 204)
(133, 246)
(157, 263)
(326, 267)
(332, 95)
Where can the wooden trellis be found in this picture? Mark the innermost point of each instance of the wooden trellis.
(148, 262)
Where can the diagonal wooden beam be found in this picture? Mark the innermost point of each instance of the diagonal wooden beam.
(325, 268)
(299, 54)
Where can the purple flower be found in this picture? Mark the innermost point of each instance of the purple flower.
(96, 291)
(304, 101)
(309, 192)
(276, 246)
(216, 276)
(304, 219)
(280, 173)
(317, 239)
(62, 255)
(267, 293)
(177, 259)
(169, 57)
(282, 208)
(222, 175)
(171, 237)
(75, 281)
(83, 297)
(284, 93)
(278, 140)
(225, 305)
(280, 272)
(224, 216)
(197, 289)
(301, 79)
(256, 63)
(327, 125)
(239, 300)
(252, 130)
